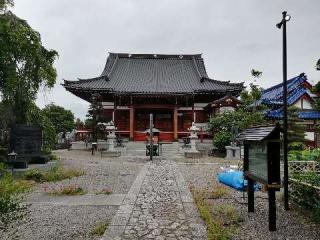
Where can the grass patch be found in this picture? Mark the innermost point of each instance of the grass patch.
(12, 195)
(70, 190)
(221, 220)
(56, 173)
(99, 228)
(106, 190)
(219, 192)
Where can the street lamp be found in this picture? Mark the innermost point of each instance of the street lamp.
(283, 25)
(318, 65)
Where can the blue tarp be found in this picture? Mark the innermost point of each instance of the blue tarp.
(234, 179)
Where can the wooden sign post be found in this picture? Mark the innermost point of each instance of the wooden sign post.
(262, 164)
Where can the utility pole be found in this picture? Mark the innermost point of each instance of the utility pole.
(283, 24)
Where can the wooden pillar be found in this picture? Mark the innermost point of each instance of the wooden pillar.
(175, 123)
(131, 122)
(114, 110)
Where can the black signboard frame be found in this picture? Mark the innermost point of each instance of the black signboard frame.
(269, 138)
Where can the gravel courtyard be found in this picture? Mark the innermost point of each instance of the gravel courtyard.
(73, 217)
(290, 225)
(149, 200)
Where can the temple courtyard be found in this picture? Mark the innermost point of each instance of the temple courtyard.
(134, 198)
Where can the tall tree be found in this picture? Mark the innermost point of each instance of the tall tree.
(25, 64)
(61, 118)
(296, 128)
(252, 95)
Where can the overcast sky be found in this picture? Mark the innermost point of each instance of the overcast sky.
(234, 37)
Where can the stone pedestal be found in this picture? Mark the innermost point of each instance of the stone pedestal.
(233, 152)
(80, 145)
(102, 145)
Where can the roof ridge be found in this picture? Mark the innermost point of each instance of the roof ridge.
(288, 81)
(157, 56)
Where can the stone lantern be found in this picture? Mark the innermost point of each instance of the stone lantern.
(193, 136)
(111, 137)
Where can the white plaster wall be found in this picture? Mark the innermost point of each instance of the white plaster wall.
(306, 104)
(309, 136)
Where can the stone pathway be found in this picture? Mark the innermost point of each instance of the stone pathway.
(159, 205)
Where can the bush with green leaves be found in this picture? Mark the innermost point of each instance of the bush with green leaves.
(224, 125)
(305, 155)
(308, 196)
(12, 194)
(222, 139)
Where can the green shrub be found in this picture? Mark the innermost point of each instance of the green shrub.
(12, 194)
(296, 146)
(99, 228)
(56, 173)
(222, 139)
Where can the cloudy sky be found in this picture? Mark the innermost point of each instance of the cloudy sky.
(234, 36)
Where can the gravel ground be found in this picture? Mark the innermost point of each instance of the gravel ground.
(58, 221)
(290, 225)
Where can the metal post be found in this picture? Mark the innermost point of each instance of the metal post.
(151, 136)
(283, 24)
(250, 195)
(285, 114)
(272, 210)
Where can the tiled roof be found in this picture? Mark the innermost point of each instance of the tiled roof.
(258, 133)
(307, 115)
(150, 73)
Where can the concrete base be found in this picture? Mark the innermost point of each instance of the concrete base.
(102, 145)
(80, 145)
(233, 152)
(108, 153)
(192, 154)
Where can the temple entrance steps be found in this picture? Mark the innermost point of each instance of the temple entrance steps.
(139, 149)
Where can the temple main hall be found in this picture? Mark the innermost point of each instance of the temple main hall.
(176, 89)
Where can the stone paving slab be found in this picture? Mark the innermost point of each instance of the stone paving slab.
(159, 205)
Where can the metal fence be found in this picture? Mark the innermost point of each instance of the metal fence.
(304, 166)
(305, 194)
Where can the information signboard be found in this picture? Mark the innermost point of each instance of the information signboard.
(258, 161)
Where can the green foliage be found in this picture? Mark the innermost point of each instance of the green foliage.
(296, 130)
(256, 73)
(36, 117)
(219, 224)
(251, 96)
(56, 173)
(222, 139)
(296, 146)
(62, 119)
(4, 4)
(224, 125)
(79, 124)
(305, 155)
(70, 190)
(25, 65)
(99, 228)
(308, 196)
(106, 191)
(11, 197)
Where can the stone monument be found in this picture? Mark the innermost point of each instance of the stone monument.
(193, 152)
(111, 140)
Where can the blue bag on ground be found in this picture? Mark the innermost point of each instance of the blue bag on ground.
(234, 179)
